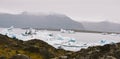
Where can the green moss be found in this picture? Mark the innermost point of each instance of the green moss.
(35, 49)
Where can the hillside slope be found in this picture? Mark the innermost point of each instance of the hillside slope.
(37, 49)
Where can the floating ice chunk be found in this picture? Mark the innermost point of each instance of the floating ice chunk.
(67, 31)
(51, 34)
(59, 37)
(104, 33)
(10, 28)
(113, 34)
(72, 40)
(103, 41)
(12, 35)
(71, 32)
(4, 32)
(7, 31)
(63, 31)
(29, 31)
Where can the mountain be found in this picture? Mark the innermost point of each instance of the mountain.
(51, 21)
(104, 26)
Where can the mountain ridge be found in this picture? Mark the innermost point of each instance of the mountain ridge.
(52, 21)
(104, 26)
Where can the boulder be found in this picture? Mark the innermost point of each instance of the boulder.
(20, 56)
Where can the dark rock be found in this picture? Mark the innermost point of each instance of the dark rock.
(117, 54)
(63, 57)
(110, 57)
(19, 56)
(3, 57)
(32, 49)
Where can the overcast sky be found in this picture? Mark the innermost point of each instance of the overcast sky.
(80, 10)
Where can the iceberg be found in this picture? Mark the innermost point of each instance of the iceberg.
(67, 31)
(66, 41)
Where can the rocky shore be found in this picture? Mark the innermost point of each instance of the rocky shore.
(11, 48)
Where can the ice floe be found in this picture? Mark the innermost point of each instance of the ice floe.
(57, 40)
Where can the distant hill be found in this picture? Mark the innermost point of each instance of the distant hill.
(54, 21)
(51, 21)
(104, 26)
